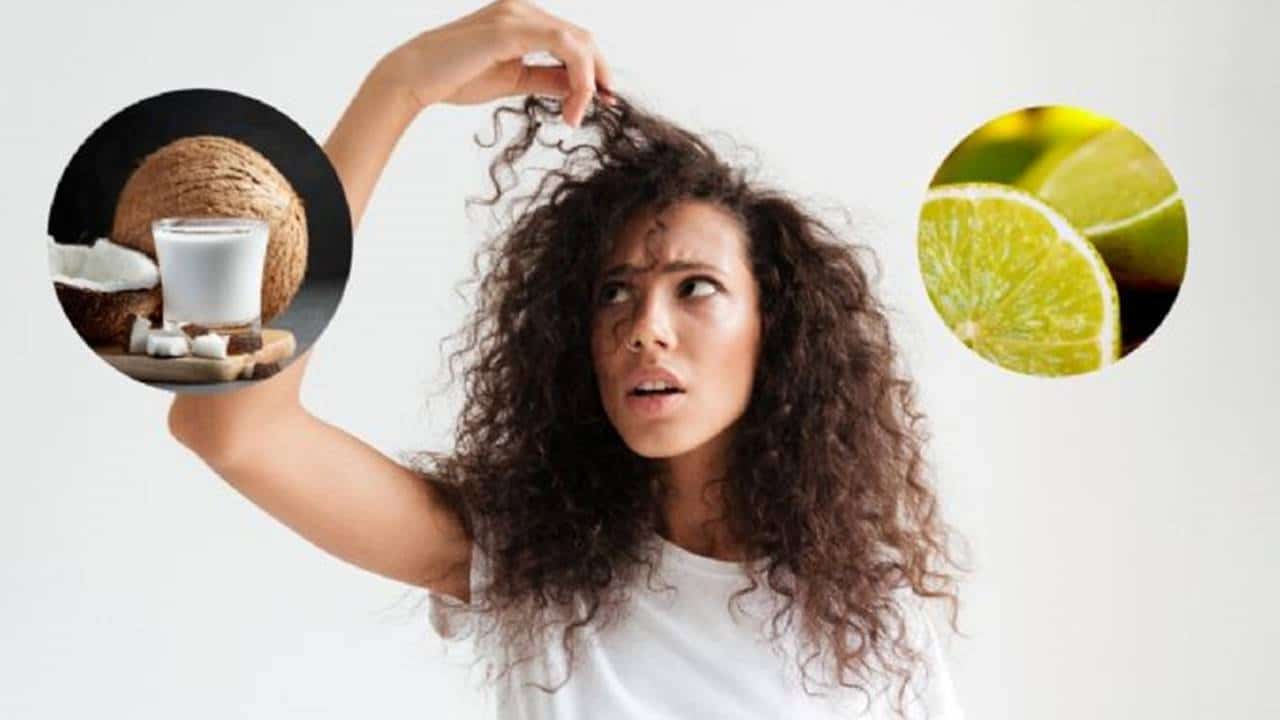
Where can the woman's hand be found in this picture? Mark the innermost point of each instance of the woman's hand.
(478, 58)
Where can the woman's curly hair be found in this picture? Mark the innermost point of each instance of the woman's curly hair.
(826, 480)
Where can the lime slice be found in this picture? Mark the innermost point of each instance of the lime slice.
(1002, 149)
(1016, 282)
(1117, 191)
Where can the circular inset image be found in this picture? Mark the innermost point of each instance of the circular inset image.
(1053, 241)
(199, 240)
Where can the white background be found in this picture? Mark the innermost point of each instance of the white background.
(1123, 524)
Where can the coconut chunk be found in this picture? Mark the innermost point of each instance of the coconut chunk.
(246, 342)
(105, 267)
(138, 335)
(167, 343)
(262, 371)
(210, 345)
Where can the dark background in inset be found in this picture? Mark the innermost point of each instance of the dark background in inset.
(85, 202)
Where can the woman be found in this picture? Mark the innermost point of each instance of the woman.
(687, 480)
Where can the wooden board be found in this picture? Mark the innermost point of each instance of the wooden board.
(277, 346)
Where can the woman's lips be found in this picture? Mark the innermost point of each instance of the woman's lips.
(654, 405)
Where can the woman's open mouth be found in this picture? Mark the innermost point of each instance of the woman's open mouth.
(654, 403)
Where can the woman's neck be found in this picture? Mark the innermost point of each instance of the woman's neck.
(693, 510)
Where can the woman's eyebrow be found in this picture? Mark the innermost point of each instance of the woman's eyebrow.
(671, 267)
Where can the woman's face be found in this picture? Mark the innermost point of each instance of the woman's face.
(676, 297)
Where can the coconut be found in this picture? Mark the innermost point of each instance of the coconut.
(168, 344)
(212, 176)
(101, 287)
(210, 345)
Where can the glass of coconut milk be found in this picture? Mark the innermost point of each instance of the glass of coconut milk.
(211, 271)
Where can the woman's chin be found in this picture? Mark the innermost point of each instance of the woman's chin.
(666, 441)
(656, 446)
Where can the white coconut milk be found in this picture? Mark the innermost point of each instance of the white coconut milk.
(211, 270)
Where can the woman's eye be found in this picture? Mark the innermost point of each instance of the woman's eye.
(706, 282)
(605, 298)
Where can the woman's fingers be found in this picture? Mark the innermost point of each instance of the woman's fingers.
(550, 80)
(480, 58)
(568, 45)
(604, 77)
(540, 80)
(603, 74)
(584, 63)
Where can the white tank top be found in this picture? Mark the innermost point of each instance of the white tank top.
(678, 652)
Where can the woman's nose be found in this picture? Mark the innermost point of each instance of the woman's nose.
(651, 325)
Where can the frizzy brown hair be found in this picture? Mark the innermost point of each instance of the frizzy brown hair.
(826, 479)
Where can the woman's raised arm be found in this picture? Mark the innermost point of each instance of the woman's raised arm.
(336, 491)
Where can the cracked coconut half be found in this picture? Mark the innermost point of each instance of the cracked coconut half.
(102, 287)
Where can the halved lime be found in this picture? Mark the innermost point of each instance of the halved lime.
(1016, 282)
(1122, 197)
